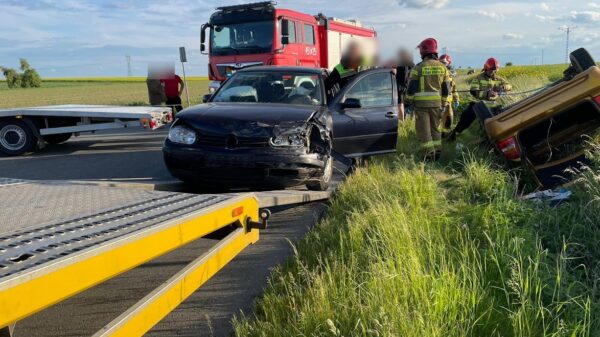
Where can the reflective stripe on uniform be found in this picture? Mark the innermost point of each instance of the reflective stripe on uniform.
(432, 144)
(343, 71)
(432, 71)
(427, 96)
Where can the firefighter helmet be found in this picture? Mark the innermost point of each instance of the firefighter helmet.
(428, 46)
(446, 59)
(491, 64)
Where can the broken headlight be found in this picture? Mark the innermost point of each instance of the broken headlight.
(292, 138)
(182, 135)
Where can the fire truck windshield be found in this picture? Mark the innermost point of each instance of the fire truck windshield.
(242, 38)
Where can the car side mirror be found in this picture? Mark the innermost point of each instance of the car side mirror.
(351, 103)
(285, 40)
(203, 38)
(206, 98)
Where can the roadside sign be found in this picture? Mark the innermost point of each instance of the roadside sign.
(183, 58)
(182, 55)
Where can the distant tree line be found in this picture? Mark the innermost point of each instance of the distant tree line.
(27, 78)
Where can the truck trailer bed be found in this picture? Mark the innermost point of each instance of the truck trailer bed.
(24, 130)
(58, 239)
(92, 111)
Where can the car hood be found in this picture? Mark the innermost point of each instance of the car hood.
(246, 119)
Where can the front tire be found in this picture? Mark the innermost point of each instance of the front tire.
(16, 138)
(325, 180)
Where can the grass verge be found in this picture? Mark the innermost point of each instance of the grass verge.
(438, 250)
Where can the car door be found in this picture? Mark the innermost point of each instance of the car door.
(310, 49)
(294, 48)
(365, 115)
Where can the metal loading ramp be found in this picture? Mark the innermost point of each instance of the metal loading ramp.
(58, 239)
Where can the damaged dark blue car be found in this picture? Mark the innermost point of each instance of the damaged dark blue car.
(277, 127)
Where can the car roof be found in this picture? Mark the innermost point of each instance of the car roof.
(309, 70)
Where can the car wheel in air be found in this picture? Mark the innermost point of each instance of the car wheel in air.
(483, 113)
(325, 180)
(58, 138)
(581, 60)
(16, 138)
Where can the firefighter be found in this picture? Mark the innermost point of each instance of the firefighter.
(349, 65)
(428, 92)
(453, 100)
(487, 87)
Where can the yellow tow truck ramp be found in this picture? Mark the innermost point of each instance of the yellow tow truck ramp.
(59, 239)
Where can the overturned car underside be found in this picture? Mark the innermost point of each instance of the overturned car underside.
(551, 130)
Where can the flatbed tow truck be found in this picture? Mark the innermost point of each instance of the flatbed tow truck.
(24, 130)
(60, 238)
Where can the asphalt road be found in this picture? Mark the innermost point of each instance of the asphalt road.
(128, 155)
(135, 156)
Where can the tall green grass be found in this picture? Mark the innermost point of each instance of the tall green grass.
(449, 249)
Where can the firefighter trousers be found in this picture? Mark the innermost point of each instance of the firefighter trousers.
(427, 124)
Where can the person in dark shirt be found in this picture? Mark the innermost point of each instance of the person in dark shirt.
(404, 65)
(348, 67)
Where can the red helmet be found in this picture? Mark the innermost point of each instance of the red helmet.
(428, 46)
(491, 64)
(446, 59)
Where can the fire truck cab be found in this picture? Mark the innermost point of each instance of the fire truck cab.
(260, 34)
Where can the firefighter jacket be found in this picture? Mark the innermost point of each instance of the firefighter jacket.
(482, 84)
(339, 77)
(429, 85)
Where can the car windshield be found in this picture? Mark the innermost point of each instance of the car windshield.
(272, 87)
(242, 38)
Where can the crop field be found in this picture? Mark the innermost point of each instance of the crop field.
(444, 249)
(117, 91)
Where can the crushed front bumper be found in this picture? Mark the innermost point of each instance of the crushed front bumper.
(243, 167)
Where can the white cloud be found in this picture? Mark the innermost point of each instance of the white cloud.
(594, 5)
(513, 36)
(424, 3)
(491, 15)
(585, 16)
(545, 7)
(545, 18)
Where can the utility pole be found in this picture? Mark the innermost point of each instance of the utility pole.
(542, 56)
(128, 58)
(568, 30)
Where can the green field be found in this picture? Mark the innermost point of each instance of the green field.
(118, 91)
(445, 249)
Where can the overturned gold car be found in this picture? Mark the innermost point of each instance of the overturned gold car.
(550, 131)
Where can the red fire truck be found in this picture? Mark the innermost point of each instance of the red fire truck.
(260, 34)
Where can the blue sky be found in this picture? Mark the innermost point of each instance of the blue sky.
(92, 37)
